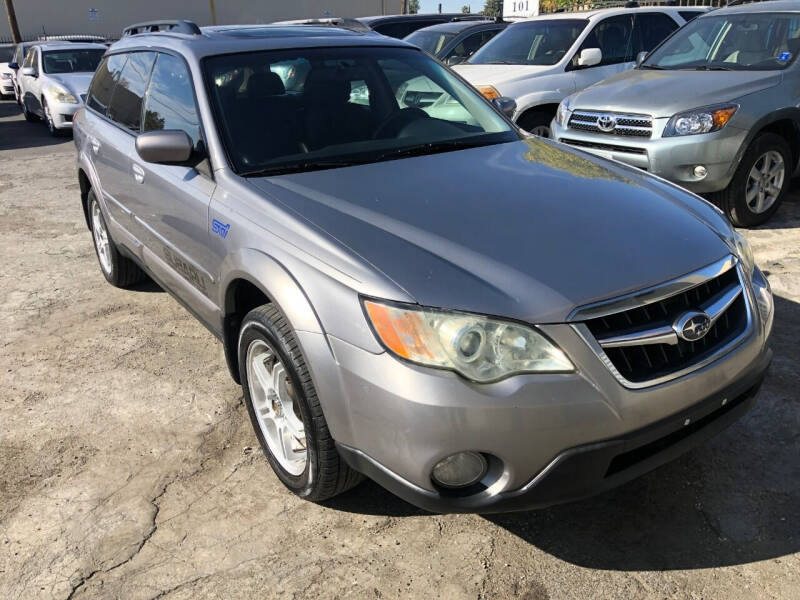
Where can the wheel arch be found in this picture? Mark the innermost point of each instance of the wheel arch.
(786, 123)
(260, 279)
(85, 185)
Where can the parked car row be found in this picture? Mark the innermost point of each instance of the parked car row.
(407, 285)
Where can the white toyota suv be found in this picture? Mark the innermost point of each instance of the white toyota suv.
(540, 61)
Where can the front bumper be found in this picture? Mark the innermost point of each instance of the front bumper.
(7, 87)
(588, 469)
(672, 158)
(63, 114)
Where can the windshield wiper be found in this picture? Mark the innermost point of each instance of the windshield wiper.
(653, 67)
(496, 62)
(302, 165)
(711, 68)
(432, 148)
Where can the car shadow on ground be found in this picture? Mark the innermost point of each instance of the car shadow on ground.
(17, 133)
(730, 501)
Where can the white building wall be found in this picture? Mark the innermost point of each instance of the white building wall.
(108, 17)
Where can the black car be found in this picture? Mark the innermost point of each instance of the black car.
(399, 26)
(456, 41)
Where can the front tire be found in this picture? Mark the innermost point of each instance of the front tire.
(760, 182)
(285, 410)
(118, 270)
(29, 116)
(48, 119)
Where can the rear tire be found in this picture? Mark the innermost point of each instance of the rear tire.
(537, 123)
(118, 270)
(268, 351)
(749, 200)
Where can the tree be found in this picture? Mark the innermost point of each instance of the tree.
(12, 22)
(465, 9)
(413, 7)
(493, 8)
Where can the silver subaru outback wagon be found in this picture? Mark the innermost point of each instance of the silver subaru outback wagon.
(476, 319)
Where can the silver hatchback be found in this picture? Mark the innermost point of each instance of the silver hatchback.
(476, 319)
(714, 109)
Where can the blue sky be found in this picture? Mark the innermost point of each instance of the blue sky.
(429, 6)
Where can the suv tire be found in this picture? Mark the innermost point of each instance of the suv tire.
(266, 338)
(537, 123)
(763, 150)
(118, 270)
(48, 119)
(29, 116)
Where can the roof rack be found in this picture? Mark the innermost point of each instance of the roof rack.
(579, 6)
(344, 23)
(179, 26)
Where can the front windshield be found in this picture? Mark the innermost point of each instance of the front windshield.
(430, 41)
(537, 42)
(285, 111)
(6, 53)
(72, 61)
(735, 42)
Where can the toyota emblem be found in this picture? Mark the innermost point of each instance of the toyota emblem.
(607, 123)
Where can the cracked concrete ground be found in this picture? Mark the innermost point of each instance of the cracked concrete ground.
(128, 468)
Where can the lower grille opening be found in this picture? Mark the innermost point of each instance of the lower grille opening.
(607, 147)
(629, 459)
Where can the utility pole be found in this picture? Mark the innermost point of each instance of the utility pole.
(12, 22)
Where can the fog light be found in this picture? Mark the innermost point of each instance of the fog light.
(459, 470)
(700, 172)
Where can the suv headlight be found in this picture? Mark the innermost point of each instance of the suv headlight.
(563, 113)
(5, 75)
(477, 347)
(60, 94)
(701, 120)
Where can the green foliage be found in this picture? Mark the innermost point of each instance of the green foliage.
(465, 9)
(413, 6)
(493, 8)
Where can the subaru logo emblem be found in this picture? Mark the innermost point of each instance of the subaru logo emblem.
(692, 326)
(607, 123)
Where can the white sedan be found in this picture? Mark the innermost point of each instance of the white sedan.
(53, 80)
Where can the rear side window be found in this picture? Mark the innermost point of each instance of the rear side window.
(169, 103)
(651, 29)
(404, 28)
(126, 102)
(688, 15)
(103, 83)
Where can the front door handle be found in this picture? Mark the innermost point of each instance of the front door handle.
(138, 173)
(95, 145)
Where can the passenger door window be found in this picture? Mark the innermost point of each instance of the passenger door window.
(105, 78)
(126, 102)
(650, 30)
(468, 46)
(614, 38)
(688, 15)
(169, 103)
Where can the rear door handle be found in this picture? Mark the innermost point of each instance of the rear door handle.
(138, 173)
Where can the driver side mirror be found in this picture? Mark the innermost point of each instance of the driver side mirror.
(166, 147)
(640, 58)
(590, 57)
(29, 71)
(505, 105)
(13, 65)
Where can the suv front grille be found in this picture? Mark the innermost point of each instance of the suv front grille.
(649, 360)
(623, 125)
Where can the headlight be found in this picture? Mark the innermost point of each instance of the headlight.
(477, 347)
(701, 120)
(5, 75)
(563, 113)
(488, 92)
(745, 252)
(60, 94)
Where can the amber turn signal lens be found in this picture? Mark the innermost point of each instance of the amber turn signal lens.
(722, 116)
(488, 92)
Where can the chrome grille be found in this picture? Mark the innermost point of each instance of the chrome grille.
(623, 125)
(643, 344)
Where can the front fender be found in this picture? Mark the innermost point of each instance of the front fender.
(535, 99)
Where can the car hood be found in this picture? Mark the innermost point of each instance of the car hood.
(526, 230)
(77, 83)
(665, 93)
(499, 74)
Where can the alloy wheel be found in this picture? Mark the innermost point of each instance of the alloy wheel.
(101, 241)
(277, 407)
(765, 182)
(541, 131)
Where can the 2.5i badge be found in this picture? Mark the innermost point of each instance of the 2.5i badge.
(220, 228)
